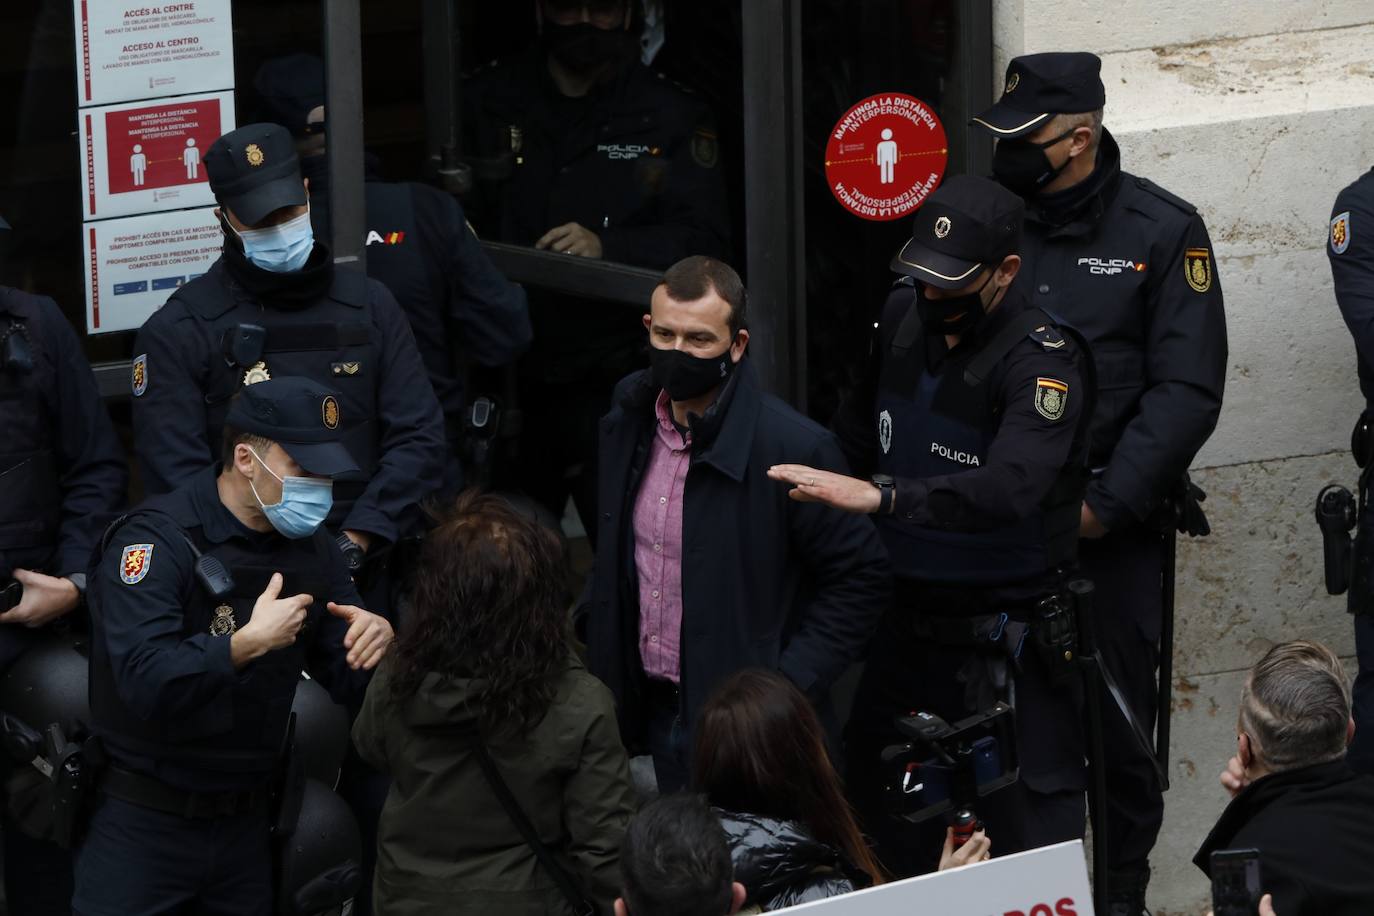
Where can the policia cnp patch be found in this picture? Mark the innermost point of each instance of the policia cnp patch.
(1197, 268)
(1051, 397)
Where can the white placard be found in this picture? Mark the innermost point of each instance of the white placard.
(127, 50)
(145, 156)
(1051, 881)
(134, 264)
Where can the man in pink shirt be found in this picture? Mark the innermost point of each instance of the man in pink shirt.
(702, 567)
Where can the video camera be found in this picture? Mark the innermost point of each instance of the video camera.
(947, 768)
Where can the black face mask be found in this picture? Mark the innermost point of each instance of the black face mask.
(582, 47)
(1022, 166)
(954, 315)
(685, 376)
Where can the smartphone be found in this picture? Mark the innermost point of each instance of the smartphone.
(1236, 884)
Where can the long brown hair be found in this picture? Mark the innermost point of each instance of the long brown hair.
(760, 750)
(491, 604)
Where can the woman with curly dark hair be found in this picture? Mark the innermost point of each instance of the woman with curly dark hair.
(487, 665)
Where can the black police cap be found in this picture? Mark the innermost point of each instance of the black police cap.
(1040, 86)
(254, 170)
(289, 88)
(301, 416)
(967, 224)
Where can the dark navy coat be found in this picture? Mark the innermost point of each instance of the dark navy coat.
(766, 581)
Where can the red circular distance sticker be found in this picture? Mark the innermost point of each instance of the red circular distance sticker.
(885, 156)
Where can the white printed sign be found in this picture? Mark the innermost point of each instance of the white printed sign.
(134, 264)
(1051, 881)
(127, 50)
(146, 156)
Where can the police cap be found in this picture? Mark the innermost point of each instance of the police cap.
(254, 170)
(1040, 86)
(301, 416)
(968, 223)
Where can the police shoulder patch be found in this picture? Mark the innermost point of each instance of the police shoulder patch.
(1340, 232)
(135, 562)
(140, 374)
(1051, 397)
(1197, 268)
(705, 148)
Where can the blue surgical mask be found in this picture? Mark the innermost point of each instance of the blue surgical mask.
(283, 248)
(304, 505)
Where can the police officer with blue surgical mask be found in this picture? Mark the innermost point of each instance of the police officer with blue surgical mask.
(274, 305)
(206, 604)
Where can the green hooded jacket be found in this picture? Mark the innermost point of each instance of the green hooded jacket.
(445, 844)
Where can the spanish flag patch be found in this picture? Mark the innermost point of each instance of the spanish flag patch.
(1051, 397)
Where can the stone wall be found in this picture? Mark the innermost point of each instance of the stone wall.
(1258, 113)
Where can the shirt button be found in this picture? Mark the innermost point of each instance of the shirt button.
(1044, 288)
(658, 548)
(662, 500)
(653, 639)
(655, 594)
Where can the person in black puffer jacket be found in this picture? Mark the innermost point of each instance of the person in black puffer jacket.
(759, 758)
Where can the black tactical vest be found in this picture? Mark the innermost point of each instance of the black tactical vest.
(331, 341)
(30, 497)
(247, 734)
(929, 423)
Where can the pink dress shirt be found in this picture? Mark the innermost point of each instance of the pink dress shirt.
(658, 546)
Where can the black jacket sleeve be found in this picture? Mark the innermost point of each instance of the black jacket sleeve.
(489, 312)
(157, 670)
(1352, 268)
(90, 462)
(1025, 458)
(410, 425)
(1185, 374)
(848, 564)
(170, 416)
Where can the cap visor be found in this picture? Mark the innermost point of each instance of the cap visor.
(253, 207)
(1007, 122)
(327, 459)
(939, 270)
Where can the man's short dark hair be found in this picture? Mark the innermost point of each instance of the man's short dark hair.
(232, 437)
(674, 860)
(692, 278)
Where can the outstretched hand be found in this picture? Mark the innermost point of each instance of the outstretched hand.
(811, 485)
(367, 638)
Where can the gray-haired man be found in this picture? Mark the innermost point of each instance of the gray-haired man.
(1293, 796)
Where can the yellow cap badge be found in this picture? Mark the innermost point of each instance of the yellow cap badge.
(253, 153)
(1012, 82)
(330, 411)
(1051, 397)
(1197, 268)
(942, 227)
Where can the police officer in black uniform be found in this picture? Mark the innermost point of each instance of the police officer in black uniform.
(1351, 253)
(580, 149)
(273, 304)
(1130, 266)
(206, 604)
(972, 422)
(62, 476)
(419, 245)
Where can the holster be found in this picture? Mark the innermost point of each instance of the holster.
(1054, 634)
(52, 800)
(1360, 598)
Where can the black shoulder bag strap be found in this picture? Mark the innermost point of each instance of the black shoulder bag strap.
(580, 905)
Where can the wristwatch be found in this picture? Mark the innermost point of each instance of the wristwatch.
(887, 492)
(353, 554)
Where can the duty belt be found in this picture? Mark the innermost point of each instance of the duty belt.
(147, 792)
